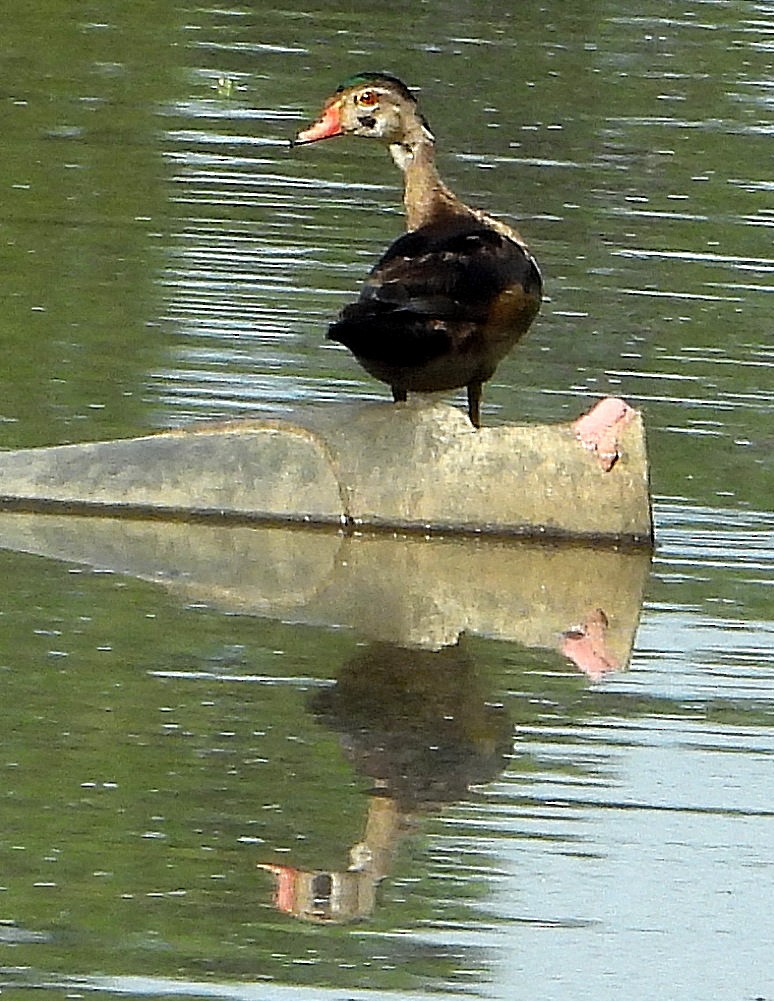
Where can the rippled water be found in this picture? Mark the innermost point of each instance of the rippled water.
(522, 771)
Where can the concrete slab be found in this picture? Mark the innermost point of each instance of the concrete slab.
(416, 466)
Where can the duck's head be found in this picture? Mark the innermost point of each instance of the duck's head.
(372, 105)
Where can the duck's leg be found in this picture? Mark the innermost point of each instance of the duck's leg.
(399, 395)
(474, 403)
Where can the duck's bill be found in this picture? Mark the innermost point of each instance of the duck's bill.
(327, 126)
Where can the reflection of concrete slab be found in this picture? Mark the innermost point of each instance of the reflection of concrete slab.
(412, 466)
(410, 591)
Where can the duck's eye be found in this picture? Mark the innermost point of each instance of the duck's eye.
(368, 99)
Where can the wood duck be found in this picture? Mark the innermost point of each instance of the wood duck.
(449, 298)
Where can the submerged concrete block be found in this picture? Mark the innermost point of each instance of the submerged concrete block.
(261, 470)
(414, 466)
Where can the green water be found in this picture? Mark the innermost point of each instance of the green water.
(167, 259)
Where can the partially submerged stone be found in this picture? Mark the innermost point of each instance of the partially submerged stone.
(414, 466)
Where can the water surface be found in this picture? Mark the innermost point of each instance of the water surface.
(547, 820)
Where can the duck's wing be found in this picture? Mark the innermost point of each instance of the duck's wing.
(435, 290)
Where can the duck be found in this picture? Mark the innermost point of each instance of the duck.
(448, 299)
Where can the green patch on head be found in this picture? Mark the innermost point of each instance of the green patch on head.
(375, 77)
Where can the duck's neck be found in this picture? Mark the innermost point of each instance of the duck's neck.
(426, 197)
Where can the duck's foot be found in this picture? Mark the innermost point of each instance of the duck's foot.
(599, 430)
(474, 404)
(585, 646)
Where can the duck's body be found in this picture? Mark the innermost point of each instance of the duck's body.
(441, 309)
(450, 298)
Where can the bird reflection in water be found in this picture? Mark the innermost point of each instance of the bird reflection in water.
(419, 724)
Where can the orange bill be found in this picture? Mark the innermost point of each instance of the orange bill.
(328, 125)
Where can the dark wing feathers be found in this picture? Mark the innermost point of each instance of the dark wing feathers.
(431, 291)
